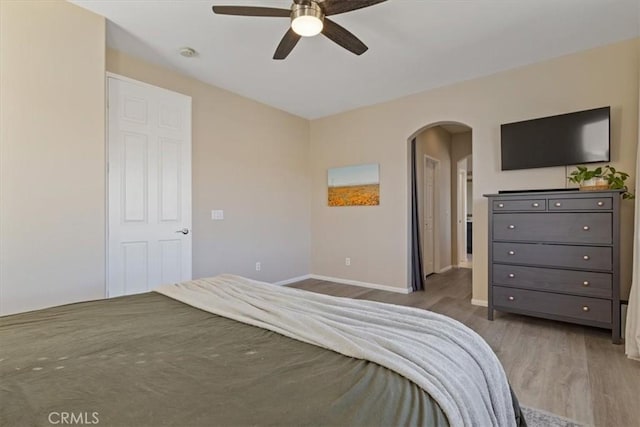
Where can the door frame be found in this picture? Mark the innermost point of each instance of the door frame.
(436, 209)
(461, 213)
(109, 74)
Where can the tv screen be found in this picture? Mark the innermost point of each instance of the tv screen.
(567, 139)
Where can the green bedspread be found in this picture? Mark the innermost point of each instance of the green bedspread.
(148, 360)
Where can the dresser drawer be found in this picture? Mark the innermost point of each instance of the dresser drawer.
(582, 308)
(519, 205)
(554, 227)
(597, 203)
(582, 257)
(549, 279)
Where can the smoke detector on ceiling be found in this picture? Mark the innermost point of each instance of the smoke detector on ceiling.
(188, 52)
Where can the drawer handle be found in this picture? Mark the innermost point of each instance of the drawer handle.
(585, 283)
(586, 228)
(501, 205)
(558, 204)
(511, 275)
(511, 227)
(511, 298)
(511, 252)
(586, 257)
(600, 203)
(535, 205)
(585, 308)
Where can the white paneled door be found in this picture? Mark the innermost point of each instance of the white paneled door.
(149, 179)
(462, 214)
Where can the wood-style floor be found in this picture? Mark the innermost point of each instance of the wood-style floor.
(570, 370)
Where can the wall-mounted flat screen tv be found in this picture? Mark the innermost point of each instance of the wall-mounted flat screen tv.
(566, 139)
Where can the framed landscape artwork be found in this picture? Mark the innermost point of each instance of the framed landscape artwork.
(354, 186)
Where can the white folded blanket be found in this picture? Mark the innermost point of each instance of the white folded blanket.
(449, 361)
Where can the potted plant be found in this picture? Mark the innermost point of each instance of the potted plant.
(601, 178)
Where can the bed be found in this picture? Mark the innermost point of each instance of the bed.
(153, 360)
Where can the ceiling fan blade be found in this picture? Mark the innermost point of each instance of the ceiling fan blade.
(334, 7)
(343, 37)
(286, 45)
(251, 11)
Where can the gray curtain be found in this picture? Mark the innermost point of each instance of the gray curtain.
(417, 275)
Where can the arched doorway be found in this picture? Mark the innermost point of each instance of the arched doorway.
(439, 213)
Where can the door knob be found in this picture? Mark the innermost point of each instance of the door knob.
(183, 231)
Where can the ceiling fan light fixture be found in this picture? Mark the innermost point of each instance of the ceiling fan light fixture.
(306, 20)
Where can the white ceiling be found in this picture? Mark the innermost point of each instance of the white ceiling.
(414, 45)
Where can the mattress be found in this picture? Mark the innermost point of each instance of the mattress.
(148, 360)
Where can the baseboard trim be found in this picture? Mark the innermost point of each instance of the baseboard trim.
(480, 302)
(292, 280)
(444, 270)
(361, 284)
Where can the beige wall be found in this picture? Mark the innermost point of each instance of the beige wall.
(435, 142)
(52, 179)
(460, 148)
(255, 162)
(378, 238)
(249, 160)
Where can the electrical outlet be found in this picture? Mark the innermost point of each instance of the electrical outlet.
(347, 261)
(258, 266)
(217, 215)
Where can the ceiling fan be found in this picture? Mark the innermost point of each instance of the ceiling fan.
(308, 18)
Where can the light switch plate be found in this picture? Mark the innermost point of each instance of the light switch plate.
(217, 215)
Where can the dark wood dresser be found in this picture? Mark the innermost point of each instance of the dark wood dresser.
(556, 255)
